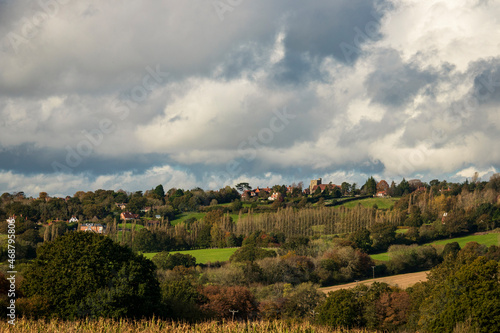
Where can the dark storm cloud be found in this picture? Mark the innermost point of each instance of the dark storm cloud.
(394, 83)
(318, 31)
(29, 159)
(329, 29)
(486, 89)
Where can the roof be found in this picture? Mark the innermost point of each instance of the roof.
(129, 215)
(324, 186)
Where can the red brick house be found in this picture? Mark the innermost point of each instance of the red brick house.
(128, 216)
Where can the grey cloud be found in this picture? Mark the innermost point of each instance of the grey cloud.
(319, 30)
(28, 158)
(394, 83)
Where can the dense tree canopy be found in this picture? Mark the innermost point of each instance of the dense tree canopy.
(86, 274)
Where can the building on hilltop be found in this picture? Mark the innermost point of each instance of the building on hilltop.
(314, 184)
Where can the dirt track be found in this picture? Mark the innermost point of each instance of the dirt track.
(402, 281)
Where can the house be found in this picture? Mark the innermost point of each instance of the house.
(443, 219)
(128, 216)
(122, 206)
(146, 209)
(73, 219)
(274, 196)
(266, 190)
(322, 187)
(253, 193)
(381, 194)
(152, 223)
(92, 227)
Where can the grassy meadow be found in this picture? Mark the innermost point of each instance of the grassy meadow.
(486, 239)
(204, 255)
(382, 203)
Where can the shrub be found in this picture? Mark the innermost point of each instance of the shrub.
(165, 260)
(251, 253)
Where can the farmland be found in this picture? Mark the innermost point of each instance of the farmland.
(155, 325)
(485, 239)
(402, 281)
(205, 255)
(382, 203)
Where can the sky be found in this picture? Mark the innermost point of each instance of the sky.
(132, 94)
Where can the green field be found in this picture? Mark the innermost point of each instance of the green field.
(380, 256)
(128, 225)
(488, 240)
(205, 255)
(382, 203)
(184, 216)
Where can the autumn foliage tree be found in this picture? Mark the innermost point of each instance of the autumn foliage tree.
(223, 299)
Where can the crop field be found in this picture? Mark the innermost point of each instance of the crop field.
(382, 203)
(402, 281)
(156, 326)
(204, 255)
(485, 239)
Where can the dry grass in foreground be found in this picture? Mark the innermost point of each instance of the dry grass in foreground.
(150, 326)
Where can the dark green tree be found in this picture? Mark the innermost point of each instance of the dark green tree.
(243, 186)
(383, 235)
(181, 300)
(236, 205)
(83, 274)
(370, 187)
(361, 239)
(402, 189)
(159, 192)
(340, 309)
(471, 293)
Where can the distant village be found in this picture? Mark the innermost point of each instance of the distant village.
(316, 187)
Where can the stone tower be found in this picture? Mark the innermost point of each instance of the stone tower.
(314, 183)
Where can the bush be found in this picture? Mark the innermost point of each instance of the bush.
(251, 253)
(165, 260)
(413, 258)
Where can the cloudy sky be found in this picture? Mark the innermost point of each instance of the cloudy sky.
(132, 94)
